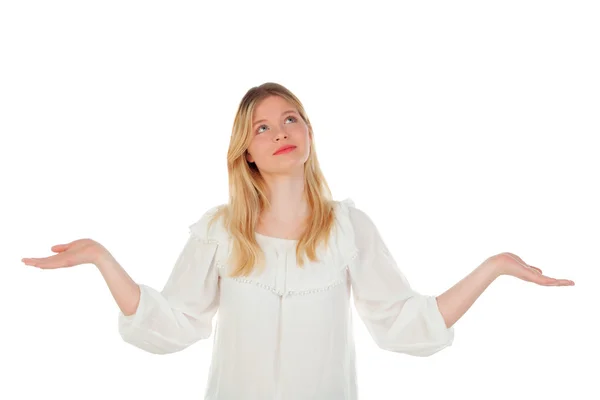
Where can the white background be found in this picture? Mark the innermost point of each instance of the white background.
(464, 129)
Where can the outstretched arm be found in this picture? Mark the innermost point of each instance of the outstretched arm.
(455, 302)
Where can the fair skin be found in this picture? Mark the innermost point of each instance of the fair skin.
(275, 123)
(284, 176)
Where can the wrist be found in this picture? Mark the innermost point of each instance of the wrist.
(102, 257)
(493, 267)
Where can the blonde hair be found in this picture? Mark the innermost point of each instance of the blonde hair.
(247, 190)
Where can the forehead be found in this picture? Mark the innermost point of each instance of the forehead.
(272, 106)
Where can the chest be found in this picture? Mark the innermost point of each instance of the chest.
(284, 277)
(317, 290)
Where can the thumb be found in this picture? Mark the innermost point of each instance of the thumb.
(59, 247)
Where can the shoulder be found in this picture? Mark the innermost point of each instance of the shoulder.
(209, 226)
(355, 221)
(348, 209)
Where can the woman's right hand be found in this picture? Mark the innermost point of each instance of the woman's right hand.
(81, 251)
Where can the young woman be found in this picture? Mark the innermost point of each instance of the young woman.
(279, 262)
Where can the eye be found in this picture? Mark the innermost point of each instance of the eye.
(293, 119)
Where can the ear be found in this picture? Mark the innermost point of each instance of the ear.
(249, 157)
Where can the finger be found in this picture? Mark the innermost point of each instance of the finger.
(565, 282)
(520, 260)
(516, 257)
(532, 275)
(541, 279)
(56, 261)
(59, 247)
(539, 271)
(556, 282)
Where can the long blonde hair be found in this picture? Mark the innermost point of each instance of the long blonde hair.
(247, 190)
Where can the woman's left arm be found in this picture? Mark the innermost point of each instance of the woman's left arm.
(455, 302)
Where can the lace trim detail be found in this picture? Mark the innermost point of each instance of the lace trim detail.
(259, 284)
(293, 292)
(289, 292)
(311, 291)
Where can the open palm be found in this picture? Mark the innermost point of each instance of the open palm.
(81, 251)
(511, 264)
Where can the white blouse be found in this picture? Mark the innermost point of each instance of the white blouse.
(286, 333)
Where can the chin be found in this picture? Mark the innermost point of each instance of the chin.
(285, 168)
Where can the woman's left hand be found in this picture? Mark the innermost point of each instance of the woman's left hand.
(511, 264)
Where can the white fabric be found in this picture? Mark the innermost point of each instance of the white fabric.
(286, 334)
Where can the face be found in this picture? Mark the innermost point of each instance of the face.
(277, 123)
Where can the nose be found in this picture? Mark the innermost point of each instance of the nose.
(280, 134)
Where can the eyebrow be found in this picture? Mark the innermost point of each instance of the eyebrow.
(283, 113)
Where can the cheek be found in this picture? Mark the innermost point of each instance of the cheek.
(301, 133)
(258, 149)
(304, 136)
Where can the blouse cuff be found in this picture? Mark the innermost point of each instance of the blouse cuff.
(134, 319)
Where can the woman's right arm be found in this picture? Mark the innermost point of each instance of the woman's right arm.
(123, 289)
(159, 322)
(181, 313)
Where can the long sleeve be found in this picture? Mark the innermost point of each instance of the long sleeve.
(182, 313)
(398, 318)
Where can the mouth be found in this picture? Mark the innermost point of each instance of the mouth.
(286, 149)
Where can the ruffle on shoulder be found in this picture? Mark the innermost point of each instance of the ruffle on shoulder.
(209, 233)
(347, 202)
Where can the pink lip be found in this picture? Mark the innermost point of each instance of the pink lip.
(285, 150)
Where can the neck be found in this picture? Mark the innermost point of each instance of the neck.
(288, 201)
